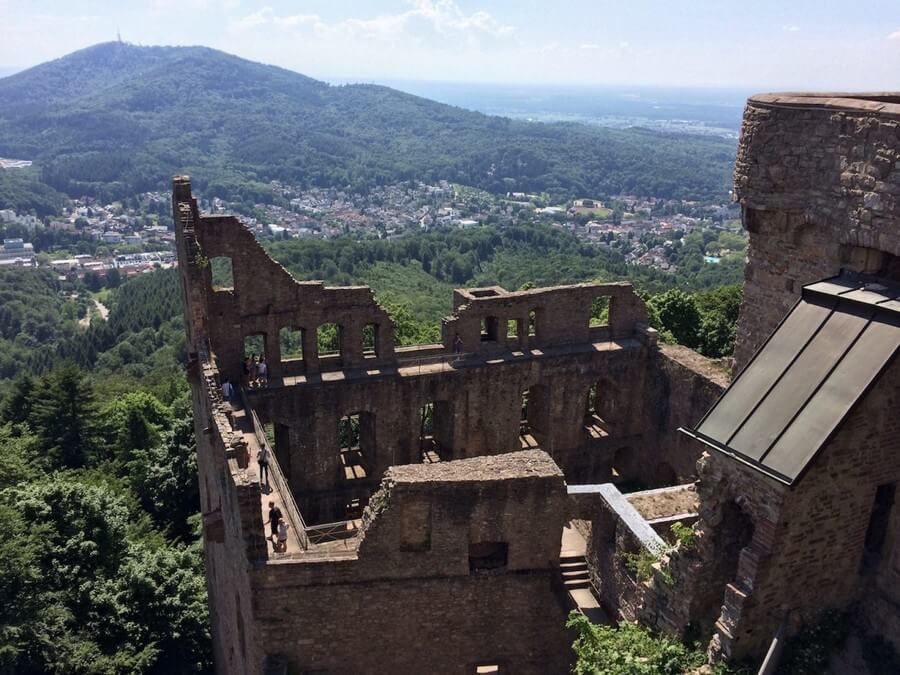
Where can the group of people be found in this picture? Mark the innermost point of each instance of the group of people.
(256, 371)
(279, 529)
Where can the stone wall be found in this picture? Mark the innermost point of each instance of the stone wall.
(820, 534)
(816, 180)
(613, 529)
(229, 495)
(765, 549)
(456, 565)
(539, 341)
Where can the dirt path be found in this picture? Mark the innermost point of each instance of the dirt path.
(99, 308)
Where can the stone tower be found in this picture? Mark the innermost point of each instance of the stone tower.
(816, 180)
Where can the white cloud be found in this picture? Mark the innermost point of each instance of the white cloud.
(438, 17)
(791, 29)
(589, 45)
(895, 35)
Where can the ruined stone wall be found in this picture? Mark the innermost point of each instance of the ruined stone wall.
(410, 599)
(816, 180)
(488, 319)
(683, 386)
(265, 298)
(613, 530)
(649, 394)
(395, 603)
(229, 495)
(232, 532)
(480, 408)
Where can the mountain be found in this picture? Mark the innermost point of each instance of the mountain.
(116, 118)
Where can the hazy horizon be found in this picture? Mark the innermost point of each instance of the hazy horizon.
(766, 46)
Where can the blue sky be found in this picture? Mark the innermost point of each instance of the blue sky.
(765, 44)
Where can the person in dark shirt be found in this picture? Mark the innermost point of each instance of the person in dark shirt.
(274, 518)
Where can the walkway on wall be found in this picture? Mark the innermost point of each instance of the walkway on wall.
(244, 424)
(329, 539)
(576, 578)
(413, 366)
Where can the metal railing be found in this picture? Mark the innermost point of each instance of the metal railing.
(446, 361)
(328, 532)
(276, 476)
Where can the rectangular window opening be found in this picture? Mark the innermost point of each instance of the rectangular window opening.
(532, 323)
(488, 556)
(428, 445)
(594, 423)
(526, 433)
(222, 273)
(255, 345)
(490, 329)
(349, 437)
(329, 340)
(370, 340)
(291, 342)
(600, 311)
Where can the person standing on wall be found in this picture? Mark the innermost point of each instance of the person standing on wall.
(281, 544)
(263, 458)
(274, 518)
(262, 372)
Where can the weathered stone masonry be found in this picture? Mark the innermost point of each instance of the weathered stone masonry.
(456, 563)
(817, 182)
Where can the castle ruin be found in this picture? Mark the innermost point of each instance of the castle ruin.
(449, 504)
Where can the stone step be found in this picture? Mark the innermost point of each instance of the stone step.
(580, 560)
(579, 573)
(572, 584)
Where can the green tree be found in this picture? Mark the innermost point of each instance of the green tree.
(133, 422)
(19, 587)
(102, 593)
(64, 416)
(676, 312)
(17, 405)
(719, 308)
(164, 476)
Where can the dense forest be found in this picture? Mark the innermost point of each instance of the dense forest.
(116, 119)
(100, 565)
(101, 561)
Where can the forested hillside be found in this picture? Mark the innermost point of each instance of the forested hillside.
(100, 563)
(116, 119)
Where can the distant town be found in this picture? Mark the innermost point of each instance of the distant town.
(136, 235)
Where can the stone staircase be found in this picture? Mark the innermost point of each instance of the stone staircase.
(574, 570)
(576, 579)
